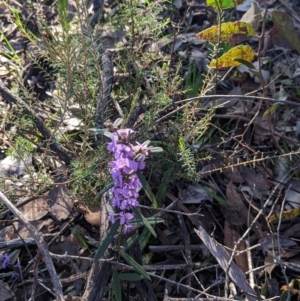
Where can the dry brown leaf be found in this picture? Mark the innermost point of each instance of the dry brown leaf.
(236, 211)
(60, 202)
(220, 254)
(43, 226)
(231, 236)
(91, 213)
(254, 179)
(66, 244)
(286, 247)
(293, 231)
(7, 233)
(269, 259)
(35, 210)
(233, 174)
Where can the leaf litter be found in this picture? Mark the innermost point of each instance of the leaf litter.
(248, 189)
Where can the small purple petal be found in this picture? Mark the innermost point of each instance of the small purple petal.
(111, 217)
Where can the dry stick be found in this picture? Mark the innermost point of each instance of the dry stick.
(18, 242)
(41, 245)
(100, 271)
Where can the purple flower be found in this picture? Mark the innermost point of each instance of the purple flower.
(125, 218)
(128, 160)
(111, 217)
(113, 145)
(127, 229)
(5, 260)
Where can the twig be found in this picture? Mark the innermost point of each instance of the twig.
(100, 271)
(41, 245)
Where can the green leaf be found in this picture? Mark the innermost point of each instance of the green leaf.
(107, 240)
(246, 63)
(156, 149)
(162, 189)
(130, 241)
(144, 221)
(82, 241)
(215, 196)
(147, 188)
(106, 188)
(284, 296)
(144, 238)
(130, 277)
(224, 4)
(152, 220)
(63, 14)
(116, 286)
(134, 264)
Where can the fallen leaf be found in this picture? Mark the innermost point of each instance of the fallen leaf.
(254, 179)
(216, 34)
(228, 59)
(292, 194)
(285, 215)
(223, 258)
(60, 202)
(231, 236)
(91, 213)
(253, 16)
(294, 231)
(35, 210)
(285, 26)
(235, 212)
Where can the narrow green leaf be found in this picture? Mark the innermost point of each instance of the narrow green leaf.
(246, 63)
(82, 241)
(147, 188)
(215, 196)
(144, 238)
(130, 277)
(162, 189)
(144, 220)
(130, 241)
(63, 14)
(105, 189)
(107, 240)
(134, 264)
(156, 149)
(117, 286)
(285, 296)
(152, 220)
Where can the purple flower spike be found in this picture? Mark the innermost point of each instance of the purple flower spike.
(128, 159)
